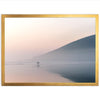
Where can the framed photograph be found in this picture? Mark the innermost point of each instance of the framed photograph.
(50, 50)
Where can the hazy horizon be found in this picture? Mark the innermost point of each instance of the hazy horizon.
(26, 38)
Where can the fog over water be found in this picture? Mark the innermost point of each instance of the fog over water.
(74, 62)
(50, 49)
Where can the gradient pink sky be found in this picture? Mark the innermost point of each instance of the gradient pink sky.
(26, 38)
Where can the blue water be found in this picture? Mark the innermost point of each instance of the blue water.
(78, 72)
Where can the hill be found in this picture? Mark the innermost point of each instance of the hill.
(74, 61)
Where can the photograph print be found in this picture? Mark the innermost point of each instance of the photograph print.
(49, 49)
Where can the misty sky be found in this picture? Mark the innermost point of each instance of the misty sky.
(26, 38)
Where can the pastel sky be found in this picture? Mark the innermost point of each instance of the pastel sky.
(26, 38)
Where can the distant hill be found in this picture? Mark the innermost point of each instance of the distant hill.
(80, 50)
(75, 61)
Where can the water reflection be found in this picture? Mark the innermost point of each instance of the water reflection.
(76, 72)
(38, 64)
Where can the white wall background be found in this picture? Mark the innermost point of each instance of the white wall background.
(49, 7)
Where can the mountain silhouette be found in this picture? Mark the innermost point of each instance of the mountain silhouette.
(80, 50)
(75, 61)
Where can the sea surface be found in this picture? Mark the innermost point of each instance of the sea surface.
(68, 72)
(31, 73)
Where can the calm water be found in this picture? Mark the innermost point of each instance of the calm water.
(31, 73)
(83, 72)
